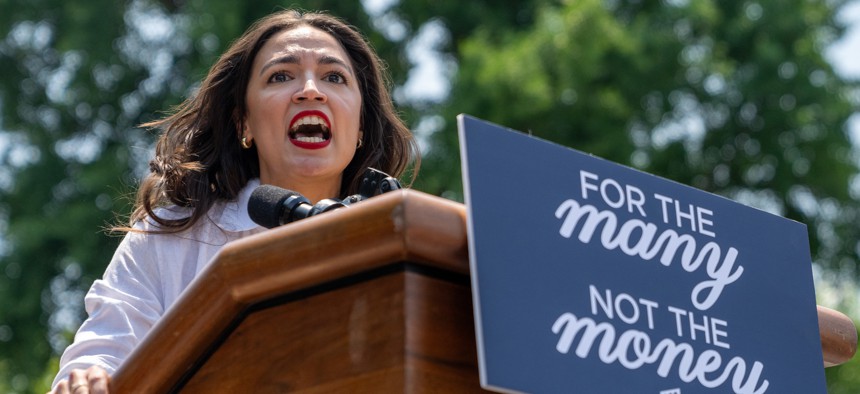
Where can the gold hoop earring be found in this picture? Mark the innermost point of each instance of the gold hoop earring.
(360, 143)
(245, 143)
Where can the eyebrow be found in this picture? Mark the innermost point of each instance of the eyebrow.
(293, 59)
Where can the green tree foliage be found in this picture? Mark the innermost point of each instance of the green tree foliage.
(59, 148)
(732, 97)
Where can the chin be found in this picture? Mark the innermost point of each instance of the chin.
(314, 170)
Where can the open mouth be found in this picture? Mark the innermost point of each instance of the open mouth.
(310, 130)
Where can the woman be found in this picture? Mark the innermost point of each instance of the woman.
(298, 101)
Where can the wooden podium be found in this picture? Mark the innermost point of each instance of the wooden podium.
(374, 298)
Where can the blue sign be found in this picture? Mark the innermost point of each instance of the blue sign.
(592, 277)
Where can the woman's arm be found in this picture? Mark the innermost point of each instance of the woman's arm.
(122, 307)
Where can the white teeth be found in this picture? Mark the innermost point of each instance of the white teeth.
(310, 120)
(310, 139)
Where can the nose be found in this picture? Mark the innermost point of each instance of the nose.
(309, 91)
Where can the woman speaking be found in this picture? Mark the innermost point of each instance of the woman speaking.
(299, 101)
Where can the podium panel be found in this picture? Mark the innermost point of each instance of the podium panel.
(387, 330)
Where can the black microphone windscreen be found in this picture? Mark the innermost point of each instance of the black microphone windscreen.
(266, 206)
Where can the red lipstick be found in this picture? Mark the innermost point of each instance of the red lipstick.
(310, 130)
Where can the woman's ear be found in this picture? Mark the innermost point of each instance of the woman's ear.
(245, 137)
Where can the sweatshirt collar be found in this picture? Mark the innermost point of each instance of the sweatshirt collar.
(234, 214)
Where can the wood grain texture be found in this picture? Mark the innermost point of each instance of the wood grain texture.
(391, 333)
(397, 227)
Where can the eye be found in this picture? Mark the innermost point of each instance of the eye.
(335, 77)
(279, 76)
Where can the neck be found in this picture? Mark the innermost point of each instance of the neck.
(314, 191)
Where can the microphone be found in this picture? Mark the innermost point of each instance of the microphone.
(271, 206)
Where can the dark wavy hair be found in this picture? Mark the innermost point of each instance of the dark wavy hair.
(198, 157)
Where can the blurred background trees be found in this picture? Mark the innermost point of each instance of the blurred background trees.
(732, 97)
